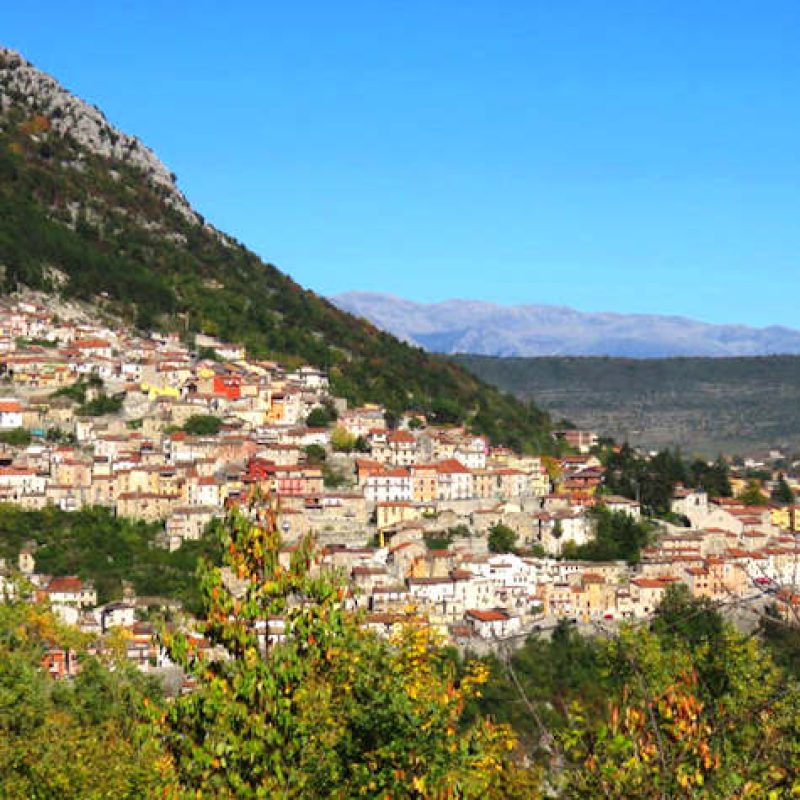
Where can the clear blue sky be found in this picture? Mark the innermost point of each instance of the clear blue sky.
(612, 155)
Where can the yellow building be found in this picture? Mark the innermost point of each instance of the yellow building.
(424, 483)
(153, 391)
(393, 513)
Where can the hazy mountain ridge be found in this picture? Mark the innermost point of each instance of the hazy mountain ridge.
(471, 326)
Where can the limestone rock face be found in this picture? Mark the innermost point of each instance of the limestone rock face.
(23, 84)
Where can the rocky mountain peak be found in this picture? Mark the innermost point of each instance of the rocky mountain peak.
(482, 328)
(24, 86)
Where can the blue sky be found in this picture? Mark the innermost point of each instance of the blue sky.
(625, 156)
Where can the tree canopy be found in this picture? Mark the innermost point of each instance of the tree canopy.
(752, 495)
(501, 538)
(317, 706)
(617, 536)
(202, 425)
(78, 739)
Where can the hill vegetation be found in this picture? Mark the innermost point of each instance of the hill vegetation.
(95, 545)
(93, 226)
(702, 405)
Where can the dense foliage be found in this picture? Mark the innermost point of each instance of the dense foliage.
(501, 539)
(109, 231)
(618, 537)
(344, 442)
(782, 639)
(16, 437)
(75, 740)
(752, 495)
(98, 546)
(202, 425)
(89, 393)
(783, 493)
(687, 708)
(652, 481)
(320, 707)
(101, 405)
(322, 416)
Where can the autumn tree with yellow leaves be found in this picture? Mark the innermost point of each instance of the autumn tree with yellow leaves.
(696, 717)
(78, 739)
(295, 699)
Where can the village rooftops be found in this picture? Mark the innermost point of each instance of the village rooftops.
(488, 615)
(654, 583)
(65, 584)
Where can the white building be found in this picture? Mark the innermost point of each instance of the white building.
(10, 413)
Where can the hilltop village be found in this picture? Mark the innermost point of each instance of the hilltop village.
(477, 539)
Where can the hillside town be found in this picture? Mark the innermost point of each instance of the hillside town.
(474, 538)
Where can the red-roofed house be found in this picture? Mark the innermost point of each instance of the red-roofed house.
(455, 480)
(10, 413)
(69, 590)
(93, 347)
(492, 623)
(388, 485)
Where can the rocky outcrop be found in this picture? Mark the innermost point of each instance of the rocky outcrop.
(23, 85)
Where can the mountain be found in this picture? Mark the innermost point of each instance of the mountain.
(702, 405)
(468, 326)
(90, 212)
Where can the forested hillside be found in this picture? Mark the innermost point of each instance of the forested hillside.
(703, 405)
(89, 212)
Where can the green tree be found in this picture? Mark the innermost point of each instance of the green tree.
(333, 478)
(552, 674)
(99, 546)
(315, 454)
(100, 405)
(208, 354)
(782, 636)
(652, 481)
(77, 739)
(666, 731)
(680, 616)
(202, 425)
(361, 445)
(714, 478)
(16, 437)
(752, 495)
(617, 536)
(783, 493)
(326, 709)
(501, 539)
(322, 416)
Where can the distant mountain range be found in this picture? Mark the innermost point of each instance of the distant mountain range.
(472, 326)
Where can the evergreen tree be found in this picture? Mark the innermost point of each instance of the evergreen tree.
(501, 539)
(752, 495)
(783, 493)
